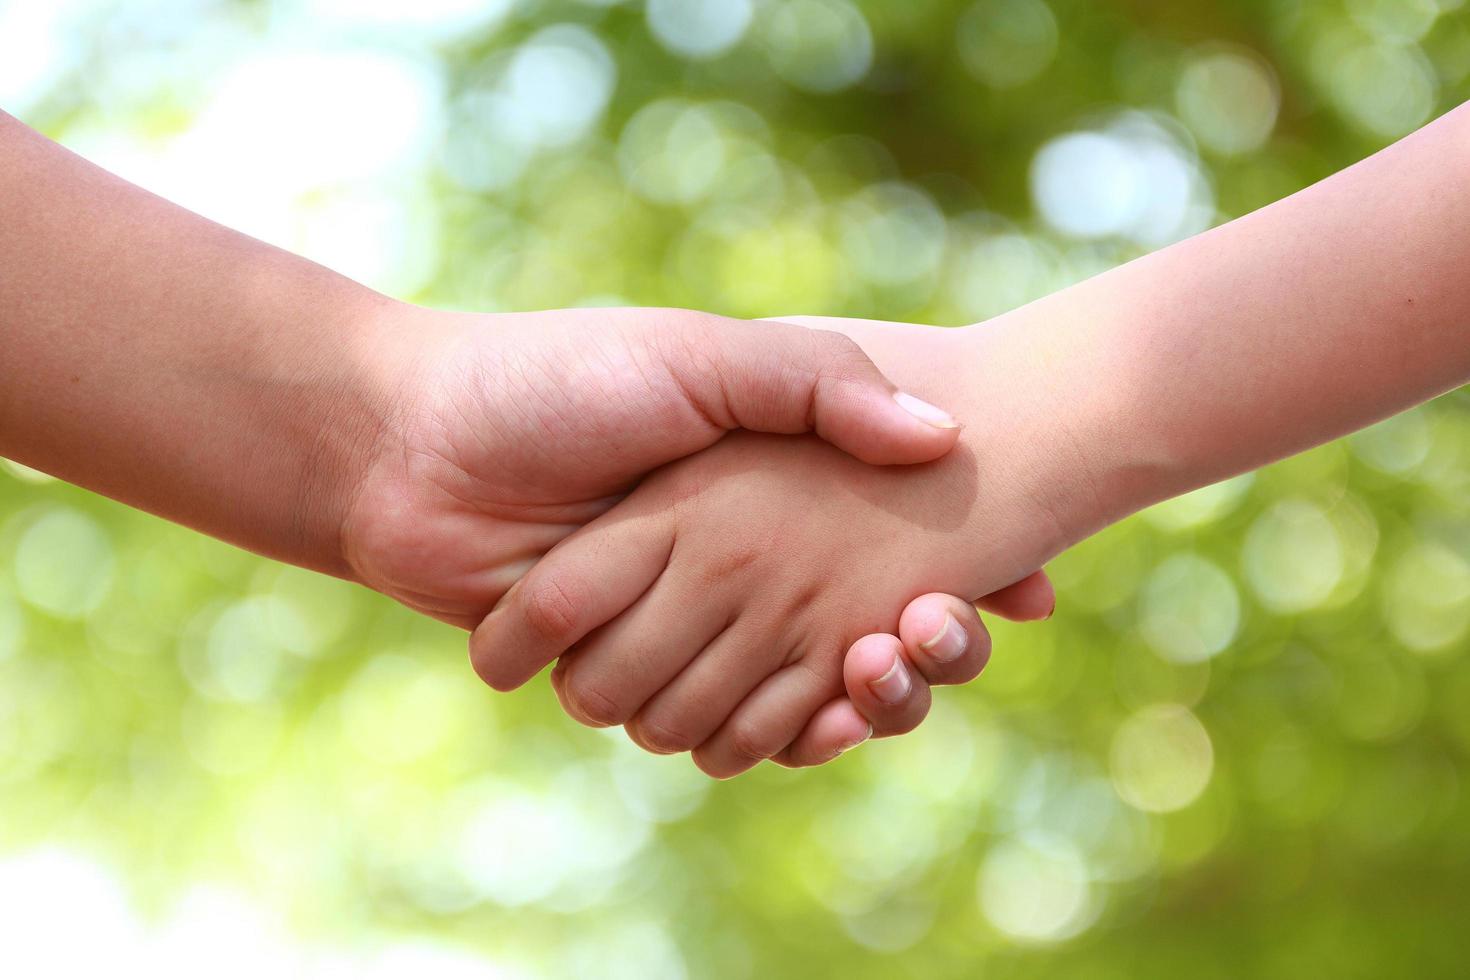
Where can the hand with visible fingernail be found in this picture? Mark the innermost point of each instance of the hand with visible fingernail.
(710, 610)
(941, 641)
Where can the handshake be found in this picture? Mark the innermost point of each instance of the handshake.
(570, 486)
(734, 538)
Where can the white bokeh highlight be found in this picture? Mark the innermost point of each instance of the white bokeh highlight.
(1189, 610)
(699, 28)
(1036, 889)
(64, 563)
(1132, 178)
(1161, 759)
(1229, 99)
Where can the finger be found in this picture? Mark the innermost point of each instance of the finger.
(776, 713)
(771, 376)
(694, 704)
(582, 583)
(1031, 598)
(833, 730)
(944, 639)
(611, 674)
(884, 686)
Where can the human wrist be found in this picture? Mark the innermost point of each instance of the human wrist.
(1031, 437)
(327, 406)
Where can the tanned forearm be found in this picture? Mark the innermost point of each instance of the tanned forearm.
(173, 364)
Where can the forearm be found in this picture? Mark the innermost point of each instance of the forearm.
(173, 364)
(1321, 314)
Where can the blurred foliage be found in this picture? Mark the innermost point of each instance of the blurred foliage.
(1239, 748)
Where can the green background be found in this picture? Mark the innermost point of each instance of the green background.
(1240, 748)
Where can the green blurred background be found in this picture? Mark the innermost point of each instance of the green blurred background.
(1239, 749)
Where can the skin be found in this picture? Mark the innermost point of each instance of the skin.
(180, 367)
(760, 562)
(712, 609)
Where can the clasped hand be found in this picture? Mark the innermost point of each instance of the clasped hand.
(746, 603)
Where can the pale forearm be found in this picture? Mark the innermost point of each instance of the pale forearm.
(173, 364)
(1321, 314)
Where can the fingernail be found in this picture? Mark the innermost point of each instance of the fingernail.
(924, 412)
(948, 643)
(1053, 611)
(854, 743)
(893, 686)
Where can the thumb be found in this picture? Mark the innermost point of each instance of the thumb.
(769, 376)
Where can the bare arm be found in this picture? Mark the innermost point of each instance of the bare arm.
(1306, 320)
(1311, 318)
(171, 363)
(192, 371)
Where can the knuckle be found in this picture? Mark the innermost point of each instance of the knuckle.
(750, 744)
(716, 766)
(737, 557)
(821, 664)
(550, 609)
(591, 705)
(680, 334)
(840, 352)
(663, 738)
(695, 323)
(493, 672)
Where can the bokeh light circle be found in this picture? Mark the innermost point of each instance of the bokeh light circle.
(672, 151)
(699, 28)
(1006, 43)
(1200, 506)
(238, 652)
(1133, 178)
(1189, 609)
(1293, 556)
(516, 845)
(1229, 98)
(558, 83)
(1161, 759)
(1396, 445)
(653, 790)
(1426, 597)
(1386, 88)
(1000, 271)
(64, 563)
(819, 45)
(892, 234)
(1398, 20)
(1036, 889)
